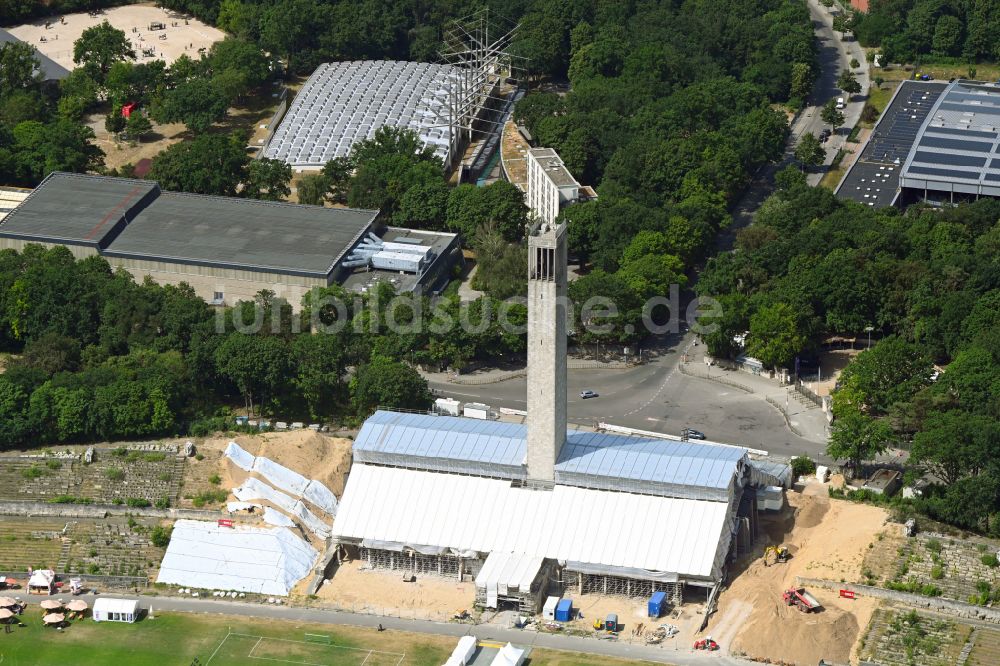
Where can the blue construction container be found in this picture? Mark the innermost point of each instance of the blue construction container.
(656, 604)
(564, 610)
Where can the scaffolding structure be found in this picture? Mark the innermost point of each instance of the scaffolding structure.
(444, 566)
(620, 586)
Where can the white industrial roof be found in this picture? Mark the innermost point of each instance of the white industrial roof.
(343, 103)
(245, 559)
(597, 527)
(509, 570)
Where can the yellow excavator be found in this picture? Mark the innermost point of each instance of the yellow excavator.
(779, 553)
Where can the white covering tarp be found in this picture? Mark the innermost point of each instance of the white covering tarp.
(505, 573)
(659, 534)
(241, 506)
(245, 559)
(508, 656)
(255, 489)
(462, 654)
(286, 479)
(276, 518)
(41, 578)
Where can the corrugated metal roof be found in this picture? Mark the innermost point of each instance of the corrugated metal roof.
(657, 534)
(603, 460)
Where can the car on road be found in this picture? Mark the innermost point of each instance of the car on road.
(689, 433)
(824, 135)
(587, 393)
(840, 103)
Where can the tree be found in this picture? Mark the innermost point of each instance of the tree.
(61, 145)
(854, 63)
(775, 335)
(208, 164)
(831, 115)
(312, 189)
(256, 364)
(387, 383)
(810, 151)
(848, 83)
(955, 444)
(889, 373)
(78, 95)
(803, 78)
(499, 203)
(18, 67)
(855, 437)
(948, 36)
(243, 64)
(138, 125)
(99, 47)
(115, 122)
(268, 179)
(653, 274)
(878, 80)
(424, 205)
(197, 104)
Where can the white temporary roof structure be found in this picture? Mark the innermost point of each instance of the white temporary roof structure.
(245, 559)
(128, 609)
(508, 656)
(41, 578)
(255, 489)
(582, 526)
(284, 478)
(503, 571)
(463, 652)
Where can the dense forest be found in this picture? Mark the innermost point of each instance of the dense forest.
(928, 281)
(907, 29)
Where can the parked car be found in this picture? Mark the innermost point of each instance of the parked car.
(824, 135)
(840, 103)
(689, 433)
(587, 393)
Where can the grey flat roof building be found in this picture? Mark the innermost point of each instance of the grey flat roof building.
(135, 219)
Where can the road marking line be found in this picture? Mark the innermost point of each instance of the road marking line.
(255, 646)
(367, 656)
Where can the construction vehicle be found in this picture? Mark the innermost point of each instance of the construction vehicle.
(780, 554)
(706, 644)
(805, 602)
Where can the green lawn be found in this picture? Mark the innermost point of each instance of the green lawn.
(178, 638)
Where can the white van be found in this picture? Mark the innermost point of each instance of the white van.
(840, 103)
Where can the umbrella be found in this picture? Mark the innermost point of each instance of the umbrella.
(53, 618)
(6, 614)
(7, 601)
(77, 605)
(50, 604)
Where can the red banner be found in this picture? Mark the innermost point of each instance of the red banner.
(847, 594)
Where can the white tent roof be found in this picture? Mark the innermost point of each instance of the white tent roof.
(509, 570)
(463, 652)
(245, 559)
(109, 605)
(508, 656)
(41, 578)
(614, 529)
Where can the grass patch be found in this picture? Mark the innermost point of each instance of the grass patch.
(878, 99)
(32, 472)
(115, 473)
(209, 497)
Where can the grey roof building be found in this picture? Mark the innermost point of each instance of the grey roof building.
(227, 248)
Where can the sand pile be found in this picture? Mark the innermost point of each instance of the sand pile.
(378, 591)
(827, 539)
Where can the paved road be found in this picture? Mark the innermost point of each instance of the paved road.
(669, 654)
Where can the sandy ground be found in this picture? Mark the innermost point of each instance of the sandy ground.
(384, 592)
(187, 36)
(827, 539)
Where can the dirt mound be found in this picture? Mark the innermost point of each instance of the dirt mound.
(827, 539)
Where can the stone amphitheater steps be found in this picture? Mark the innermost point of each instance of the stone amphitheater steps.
(176, 477)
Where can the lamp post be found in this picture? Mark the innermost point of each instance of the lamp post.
(868, 330)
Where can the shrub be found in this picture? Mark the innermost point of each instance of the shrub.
(115, 474)
(802, 466)
(937, 572)
(53, 464)
(32, 472)
(933, 545)
(199, 457)
(62, 499)
(160, 536)
(990, 560)
(93, 569)
(120, 452)
(209, 497)
(165, 477)
(162, 503)
(215, 479)
(137, 502)
(156, 456)
(118, 500)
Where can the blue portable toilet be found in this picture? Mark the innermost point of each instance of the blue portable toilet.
(656, 604)
(564, 610)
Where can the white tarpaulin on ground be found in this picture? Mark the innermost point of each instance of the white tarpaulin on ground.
(241, 506)
(260, 560)
(255, 489)
(508, 656)
(463, 652)
(281, 477)
(276, 518)
(601, 527)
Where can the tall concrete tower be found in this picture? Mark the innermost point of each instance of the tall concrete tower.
(546, 349)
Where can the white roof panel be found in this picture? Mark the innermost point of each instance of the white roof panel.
(599, 527)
